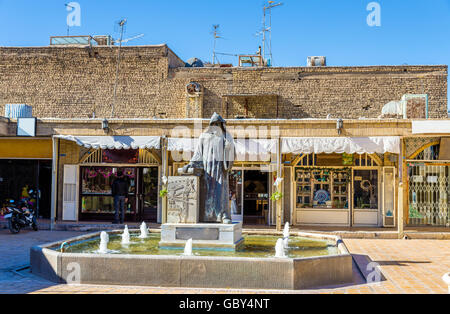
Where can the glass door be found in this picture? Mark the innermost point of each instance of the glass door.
(366, 198)
(148, 194)
(236, 195)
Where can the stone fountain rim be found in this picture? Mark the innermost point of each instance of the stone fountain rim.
(46, 248)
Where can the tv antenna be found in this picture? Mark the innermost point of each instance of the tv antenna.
(121, 24)
(68, 7)
(124, 41)
(267, 29)
(216, 35)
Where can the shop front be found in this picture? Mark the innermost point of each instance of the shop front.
(26, 172)
(428, 183)
(344, 181)
(97, 202)
(87, 194)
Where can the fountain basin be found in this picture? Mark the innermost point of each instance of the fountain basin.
(194, 271)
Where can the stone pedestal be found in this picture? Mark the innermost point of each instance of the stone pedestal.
(204, 236)
(183, 200)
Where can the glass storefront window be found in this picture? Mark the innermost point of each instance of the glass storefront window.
(96, 192)
(322, 189)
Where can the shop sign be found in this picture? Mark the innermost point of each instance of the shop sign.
(432, 179)
(130, 156)
(417, 179)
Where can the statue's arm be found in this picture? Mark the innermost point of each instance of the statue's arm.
(197, 160)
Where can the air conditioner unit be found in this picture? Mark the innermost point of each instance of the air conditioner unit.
(317, 61)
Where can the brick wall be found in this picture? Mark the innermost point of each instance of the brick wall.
(347, 92)
(78, 82)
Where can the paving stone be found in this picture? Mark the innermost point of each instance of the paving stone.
(412, 267)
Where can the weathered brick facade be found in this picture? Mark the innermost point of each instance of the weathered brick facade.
(79, 82)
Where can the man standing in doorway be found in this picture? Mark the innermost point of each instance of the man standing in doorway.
(120, 190)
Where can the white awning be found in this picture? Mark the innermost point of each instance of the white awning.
(243, 146)
(431, 127)
(182, 144)
(115, 142)
(340, 145)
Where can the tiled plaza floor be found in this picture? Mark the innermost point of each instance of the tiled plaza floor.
(410, 267)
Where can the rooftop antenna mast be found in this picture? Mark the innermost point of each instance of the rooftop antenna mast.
(267, 11)
(122, 24)
(216, 35)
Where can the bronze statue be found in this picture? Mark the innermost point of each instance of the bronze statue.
(214, 155)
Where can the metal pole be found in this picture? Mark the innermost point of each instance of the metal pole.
(401, 194)
(54, 183)
(279, 204)
(214, 52)
(264, 36)
(122, 23)
(165, 172)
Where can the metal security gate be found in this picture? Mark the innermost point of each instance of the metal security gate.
(429, 193)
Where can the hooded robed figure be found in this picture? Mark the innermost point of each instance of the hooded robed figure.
(215, 155)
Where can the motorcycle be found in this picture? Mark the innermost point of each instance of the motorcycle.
(20, 217)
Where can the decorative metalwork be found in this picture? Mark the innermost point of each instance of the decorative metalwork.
(429, 194)
(415, 144)
(429, 153)
(92, 157)
(95, 157)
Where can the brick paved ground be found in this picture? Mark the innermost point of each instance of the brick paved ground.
(408, 267)
(15, 253)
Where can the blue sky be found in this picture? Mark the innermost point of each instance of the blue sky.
(411, 31)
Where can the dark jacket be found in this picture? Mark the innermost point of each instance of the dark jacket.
(120, 187)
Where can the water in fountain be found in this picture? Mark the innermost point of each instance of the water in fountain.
(144, 231)
(188, 248)
(286, 235)
(126, 236)
(104, 240)
(280, 249)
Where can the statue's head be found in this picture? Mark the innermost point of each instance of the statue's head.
(217, 122)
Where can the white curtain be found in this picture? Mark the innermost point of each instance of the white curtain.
(115, 142)
(340, 145)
